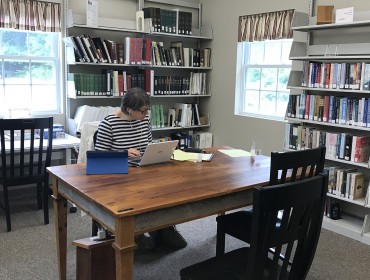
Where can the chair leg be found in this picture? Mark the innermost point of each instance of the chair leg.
(45, 199)
(220, 242)
(7, 209)
(39, 200)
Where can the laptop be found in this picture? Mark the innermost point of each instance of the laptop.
(155, 153)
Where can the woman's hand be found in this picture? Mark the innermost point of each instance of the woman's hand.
(133, 152)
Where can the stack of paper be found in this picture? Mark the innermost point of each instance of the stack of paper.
(183, 156)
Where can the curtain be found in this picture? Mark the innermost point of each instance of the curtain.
(266, 26)
(30, 15)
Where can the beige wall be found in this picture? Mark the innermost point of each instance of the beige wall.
(229, 129)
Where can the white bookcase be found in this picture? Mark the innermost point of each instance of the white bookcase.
(333, 43)
(117, 30)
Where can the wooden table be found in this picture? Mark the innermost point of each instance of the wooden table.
(153, 197)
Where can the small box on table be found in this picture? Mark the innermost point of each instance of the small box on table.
(58, 131)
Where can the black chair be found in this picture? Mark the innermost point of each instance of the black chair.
(26, 160)
(302, 205)
(293, 165)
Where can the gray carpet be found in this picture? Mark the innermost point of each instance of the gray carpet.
(28, 252)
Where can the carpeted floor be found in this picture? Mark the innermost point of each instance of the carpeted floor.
(28, 252)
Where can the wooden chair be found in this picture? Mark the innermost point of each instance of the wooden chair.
(295, 165)
(26, 160)
(302, 204)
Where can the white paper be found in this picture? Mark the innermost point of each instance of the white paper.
(344, 15)
(92, 13)
(235, 153)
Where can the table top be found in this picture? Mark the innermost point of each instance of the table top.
(158, 186)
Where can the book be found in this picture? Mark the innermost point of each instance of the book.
(179, 52)
(82, 48)
(361, 149)
(70, 42)
(347, 147)
(100, 48)
(128, 54)
(332, 178)
(365, 78)
(357, 186)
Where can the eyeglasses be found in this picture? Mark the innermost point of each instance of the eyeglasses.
(143, 111)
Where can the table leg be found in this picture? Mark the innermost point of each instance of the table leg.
(124, 245)
(60, 221)
(73, 208)
(68, 156)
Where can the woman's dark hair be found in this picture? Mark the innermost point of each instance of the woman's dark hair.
(134, 99)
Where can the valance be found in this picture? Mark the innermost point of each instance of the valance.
(30, 15)
(265, 26)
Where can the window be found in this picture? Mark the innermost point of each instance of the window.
(262, 78)
(30, 73)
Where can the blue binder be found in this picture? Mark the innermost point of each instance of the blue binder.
(106, 162)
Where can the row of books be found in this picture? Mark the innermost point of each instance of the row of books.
(330, 109)
(157, 116)
(345, 146)
(95, 49)
(177, 55)
(169, 21)
(136, 51)
(110, 83)
(346, 75)
(116, 83)
(346, 182)
(182, 114)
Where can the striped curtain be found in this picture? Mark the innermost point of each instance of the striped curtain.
(30, 15)
(266, 26)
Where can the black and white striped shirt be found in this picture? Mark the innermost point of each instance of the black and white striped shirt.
(117, 134)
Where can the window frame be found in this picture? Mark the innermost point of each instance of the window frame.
(240, 83)
(59, 73)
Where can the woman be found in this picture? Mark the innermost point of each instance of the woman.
(129, 129)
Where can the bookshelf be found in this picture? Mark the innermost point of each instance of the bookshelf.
(329, 98)
(168, 79)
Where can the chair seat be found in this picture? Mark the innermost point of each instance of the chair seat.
(230, 266)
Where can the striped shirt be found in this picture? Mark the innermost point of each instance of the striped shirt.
(117, 134)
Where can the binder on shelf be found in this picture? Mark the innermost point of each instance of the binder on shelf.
(203, 140)
(106, 162)
(140, 21)
(171, 117)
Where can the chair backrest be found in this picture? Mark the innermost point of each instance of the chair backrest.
(296, 165)
(302, 203)
(87, 139)
(95, 137)
(24, 152)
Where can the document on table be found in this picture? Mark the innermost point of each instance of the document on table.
(183, 156)
(236, 153)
